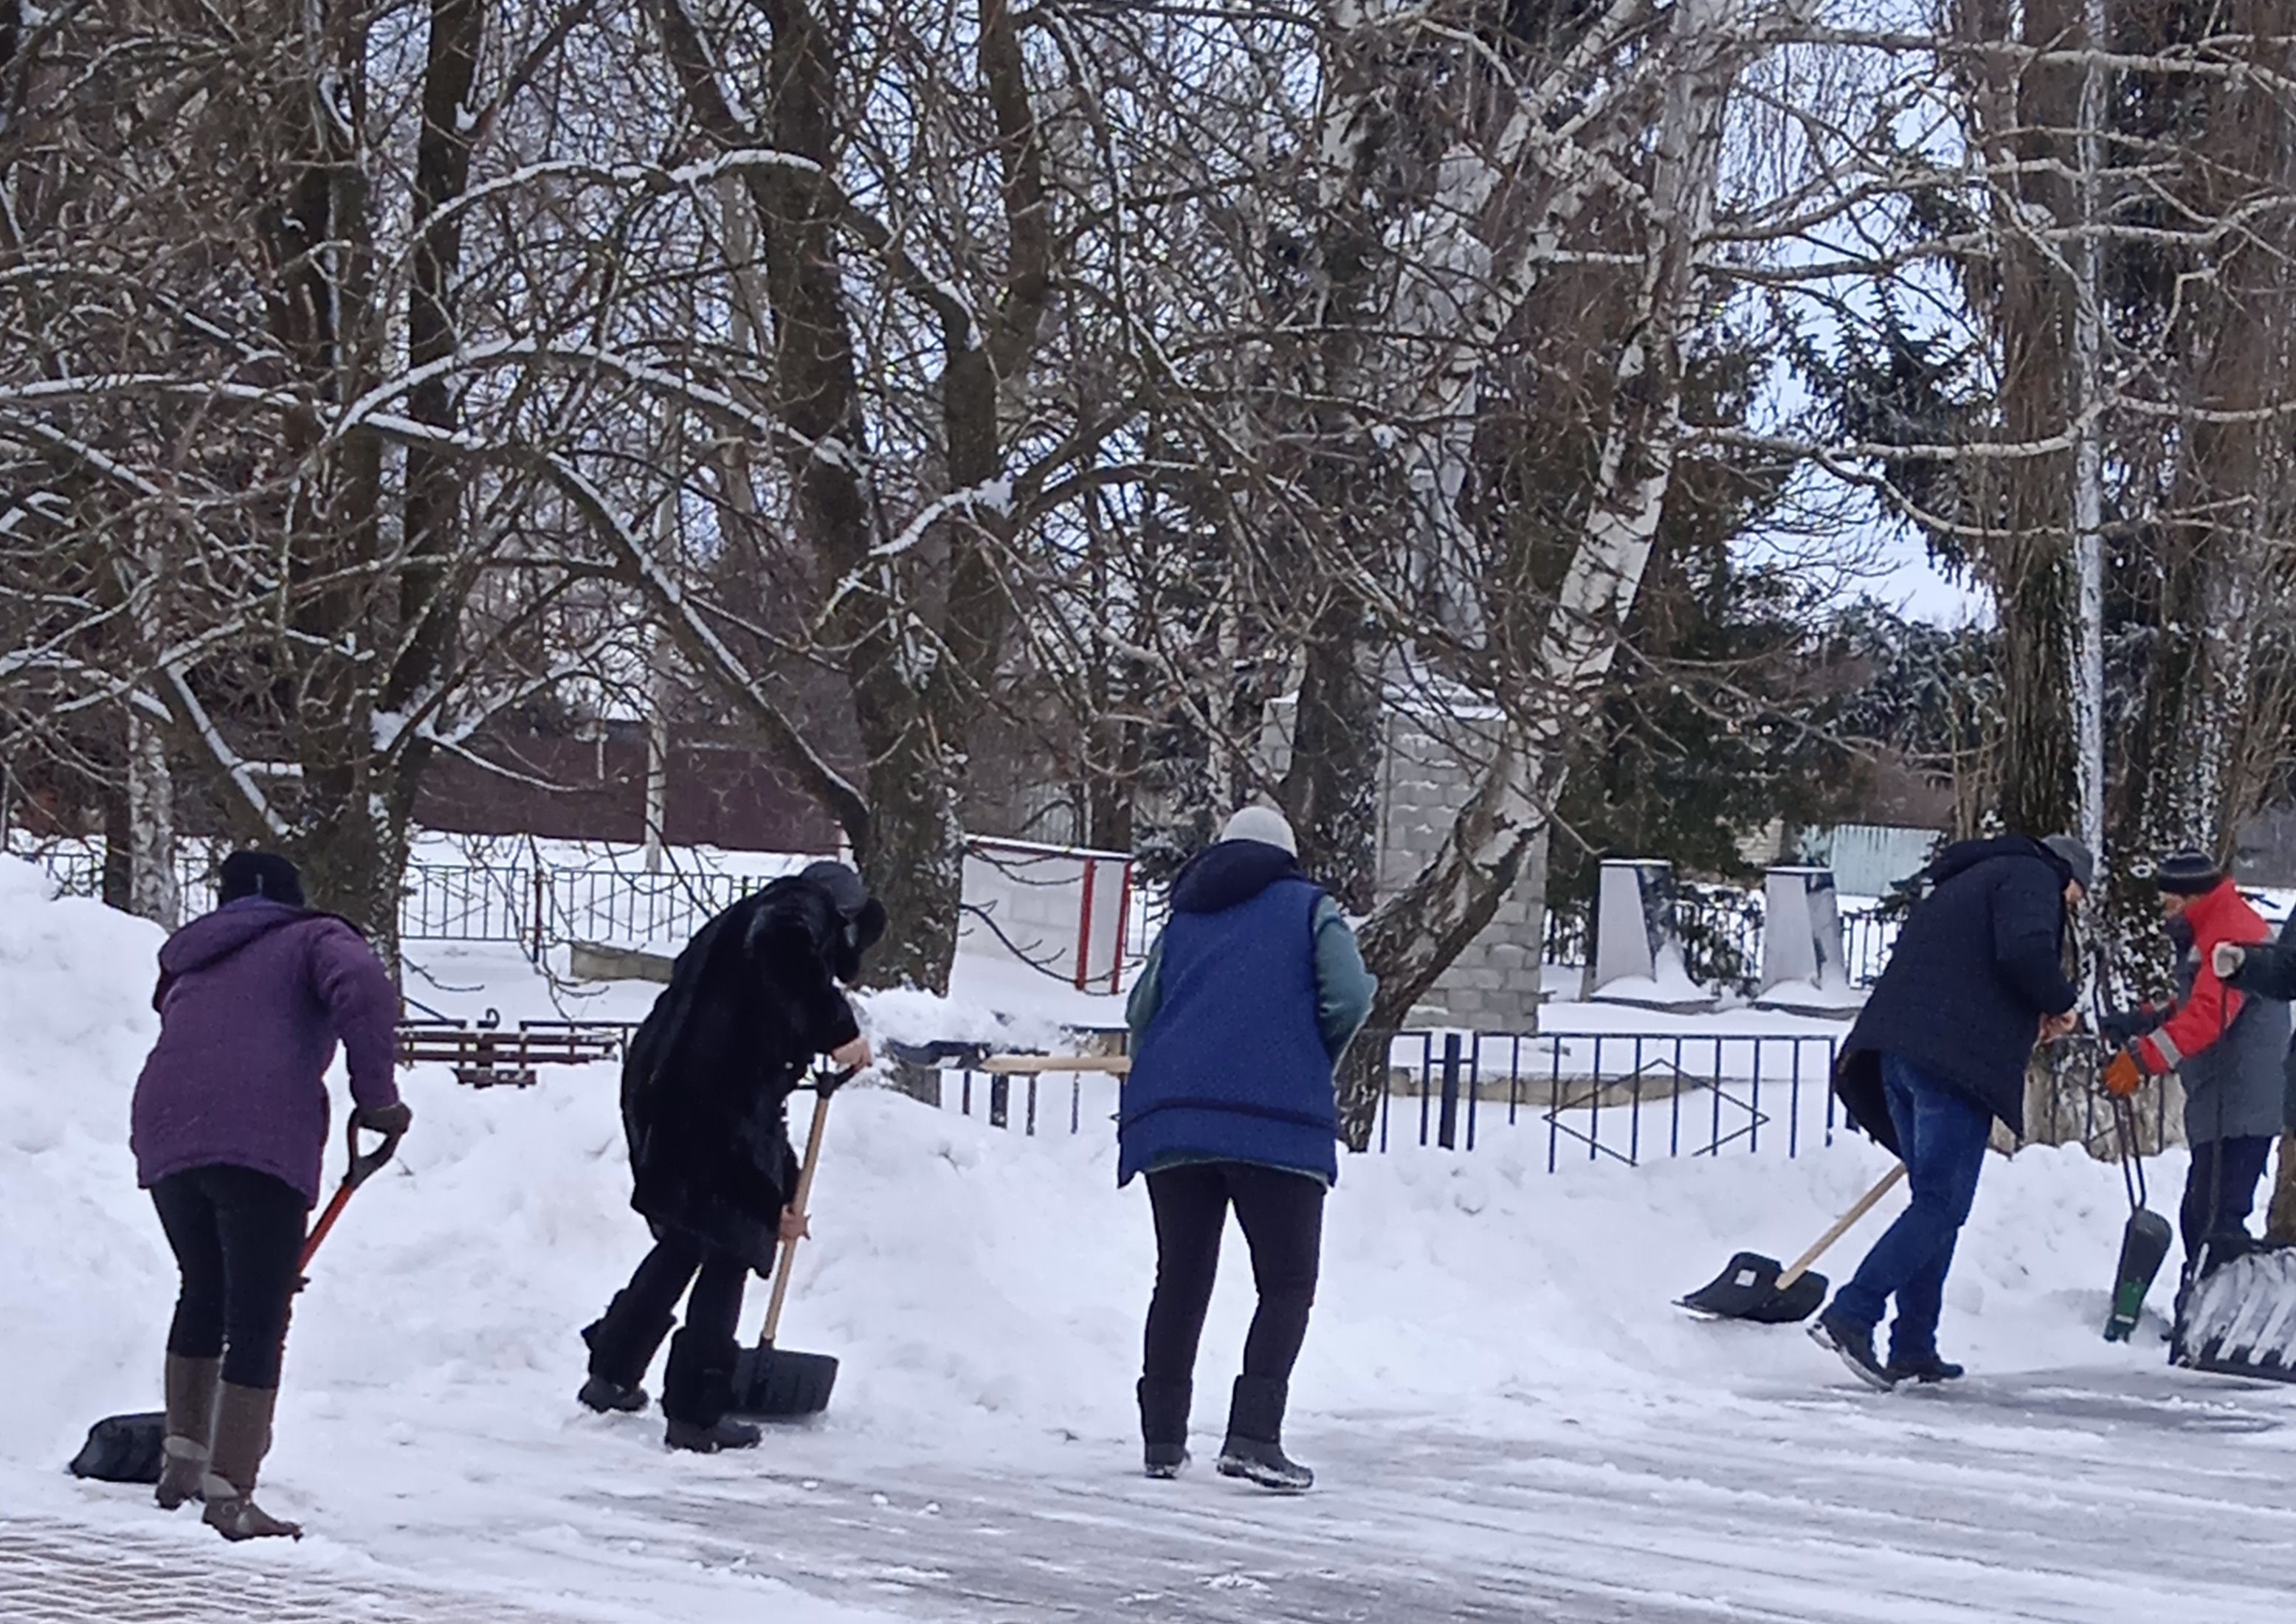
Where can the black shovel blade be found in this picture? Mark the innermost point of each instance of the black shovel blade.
(1744, 1283)
(775, 1384)
(1747, 1289)
(123, 1448)
(2145, 1243)
(1793, 1304)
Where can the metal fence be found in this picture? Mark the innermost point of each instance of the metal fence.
(534, 905)
(1598, 1097)
(538, 904)
(467, 903)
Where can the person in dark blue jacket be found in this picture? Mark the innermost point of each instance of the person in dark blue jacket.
(1249, 999)
(1976, 979)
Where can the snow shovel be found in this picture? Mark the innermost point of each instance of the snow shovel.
(1755, 1288)
(2240, 1318)
(2144, 1239)
(773, 1383)
(128, 1448)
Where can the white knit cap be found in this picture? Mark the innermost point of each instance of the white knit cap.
(1264, 825)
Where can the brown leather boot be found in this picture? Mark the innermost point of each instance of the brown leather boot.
(243, 1437)
(191, 1427)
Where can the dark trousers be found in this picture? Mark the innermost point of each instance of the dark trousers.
(623, 1342)
(1281, 1215)
(1941, 1135)
(2220, 1197)
(238, 1239)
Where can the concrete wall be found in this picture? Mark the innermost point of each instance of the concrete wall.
(1427, 773)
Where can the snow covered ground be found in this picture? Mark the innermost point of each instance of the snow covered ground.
(1510, 1420)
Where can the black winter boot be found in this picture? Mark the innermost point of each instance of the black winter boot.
(1254, 1450)
(1854, 1343)
(620, 1353)
(1927, 1368)
(1164, 1426)
(608, 1400)
(697, 1390)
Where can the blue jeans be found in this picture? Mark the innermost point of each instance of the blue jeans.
(1941, 1135)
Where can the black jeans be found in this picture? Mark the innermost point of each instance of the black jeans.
(2217, 1202)
(623, 1343)
(1281, 1215)
(238, 1239)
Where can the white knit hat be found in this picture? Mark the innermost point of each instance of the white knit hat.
(1264, 825)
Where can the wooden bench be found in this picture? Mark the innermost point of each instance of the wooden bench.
(486, 1056)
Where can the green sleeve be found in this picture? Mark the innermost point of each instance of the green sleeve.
(1147, 995)
(1344, 989)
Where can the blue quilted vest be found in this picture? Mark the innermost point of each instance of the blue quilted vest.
(1232, 1066)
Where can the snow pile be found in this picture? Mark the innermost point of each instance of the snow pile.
(87, 1273)
(984, 1289)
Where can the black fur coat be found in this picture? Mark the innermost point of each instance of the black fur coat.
(750, 1001)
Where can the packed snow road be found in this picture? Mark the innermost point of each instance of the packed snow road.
(2025, 1500)
(2061, 1496)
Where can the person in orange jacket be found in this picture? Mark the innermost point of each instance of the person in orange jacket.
(2227, 1046)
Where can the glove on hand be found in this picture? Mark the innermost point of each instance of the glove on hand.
(2123, 1076)
(389, 1120)
(2119, 1026)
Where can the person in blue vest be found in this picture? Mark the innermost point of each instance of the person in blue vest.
(1249, 999)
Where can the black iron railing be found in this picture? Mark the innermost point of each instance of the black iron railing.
(1623, 1097)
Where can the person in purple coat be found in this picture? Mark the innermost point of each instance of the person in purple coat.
(230, 1127)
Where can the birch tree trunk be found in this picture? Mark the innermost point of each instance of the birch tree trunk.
(153, 893)
(2086, 658)
(1419, 930)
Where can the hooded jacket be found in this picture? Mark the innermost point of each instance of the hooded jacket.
(750, 1001)
(1979, 962)
(253, 998)
(1248, 1000)
(2229, 1047)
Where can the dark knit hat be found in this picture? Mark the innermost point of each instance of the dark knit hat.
(2188, 873)
(259, 874)
(849, 894)
(2076, 858)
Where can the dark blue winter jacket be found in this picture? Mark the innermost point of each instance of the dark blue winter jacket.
(1980, 962)
(1250, 997)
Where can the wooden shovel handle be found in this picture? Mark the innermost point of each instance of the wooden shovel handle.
(1800, 1266)
(786, 1265)
(1037, 1065)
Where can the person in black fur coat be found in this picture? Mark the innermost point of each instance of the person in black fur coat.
(706, 1082)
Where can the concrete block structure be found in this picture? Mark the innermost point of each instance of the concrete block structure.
(1804, 969)
(1431, 758)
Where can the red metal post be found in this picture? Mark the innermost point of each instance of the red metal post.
(1084, 926)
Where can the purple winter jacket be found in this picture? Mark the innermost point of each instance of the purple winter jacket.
(252, 998)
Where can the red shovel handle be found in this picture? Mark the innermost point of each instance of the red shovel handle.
(360, 1169)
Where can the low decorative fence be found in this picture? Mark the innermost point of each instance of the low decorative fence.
(1617, 1097)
